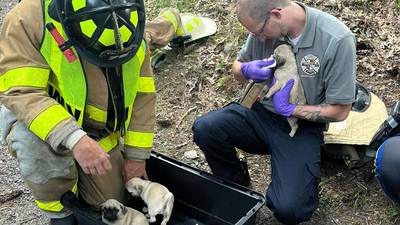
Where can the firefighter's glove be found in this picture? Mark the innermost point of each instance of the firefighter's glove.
(281, 98)
(257, 70)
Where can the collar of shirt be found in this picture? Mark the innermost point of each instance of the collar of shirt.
(307, 36)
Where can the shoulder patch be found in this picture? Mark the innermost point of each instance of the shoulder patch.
(310, 64)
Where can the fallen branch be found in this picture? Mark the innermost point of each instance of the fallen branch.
(184, 115)
(181, 145)
(8, 196)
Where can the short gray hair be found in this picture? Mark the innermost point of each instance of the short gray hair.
(259, 10)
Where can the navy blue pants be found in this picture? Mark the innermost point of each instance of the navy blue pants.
(293, 192)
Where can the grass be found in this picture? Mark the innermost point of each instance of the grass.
(182, 5)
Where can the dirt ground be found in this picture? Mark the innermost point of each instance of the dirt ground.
(197, 80)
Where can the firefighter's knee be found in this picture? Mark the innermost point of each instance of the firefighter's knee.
(37, 160)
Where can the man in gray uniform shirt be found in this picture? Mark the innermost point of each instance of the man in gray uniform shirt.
(326, 59)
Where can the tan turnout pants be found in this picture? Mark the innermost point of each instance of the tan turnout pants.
(49, 174)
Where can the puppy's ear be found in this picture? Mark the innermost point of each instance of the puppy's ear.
(124, 210)
(280, 60)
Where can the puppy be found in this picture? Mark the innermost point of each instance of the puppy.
(287, 70)
(158, 198)
(115, 213)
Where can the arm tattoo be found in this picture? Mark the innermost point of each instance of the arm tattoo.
(314, 115)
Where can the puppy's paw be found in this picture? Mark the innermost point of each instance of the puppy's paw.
(152, 219)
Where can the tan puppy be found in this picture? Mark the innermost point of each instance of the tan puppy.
(287, 70)
(158, 198)
(115, 213)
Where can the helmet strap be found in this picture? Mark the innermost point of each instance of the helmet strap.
(117, 34)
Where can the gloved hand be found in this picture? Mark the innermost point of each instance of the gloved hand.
(257, 70)
(280, 100)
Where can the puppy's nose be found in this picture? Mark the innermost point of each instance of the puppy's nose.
(110, 214)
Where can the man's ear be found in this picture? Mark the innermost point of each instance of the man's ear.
(124, 210)
(277, 13)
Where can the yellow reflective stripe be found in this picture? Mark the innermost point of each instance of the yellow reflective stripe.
(96, 114)
(125, 34)
(139, 139)
(131, 71)
(193, 24)
(171, 18)
(146, 85)
(128, 120)
(25, 76)
(109, 142)
(88, 27)
(54, 206)
(141, 53)
(107, 37)
(47, 120)
(197, 21)
(189, 27)
(75, 187)
(78, 4)
(134, 18)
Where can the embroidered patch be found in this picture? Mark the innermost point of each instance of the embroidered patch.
(310, 64)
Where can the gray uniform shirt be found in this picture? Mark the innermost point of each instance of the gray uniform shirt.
(325, 56)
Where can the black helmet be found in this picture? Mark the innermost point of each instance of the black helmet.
(363, 98)
(107, 33)
(387, 164)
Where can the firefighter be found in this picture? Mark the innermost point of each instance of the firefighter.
(78, 97)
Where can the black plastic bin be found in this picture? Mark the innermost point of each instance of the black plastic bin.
(200, 198)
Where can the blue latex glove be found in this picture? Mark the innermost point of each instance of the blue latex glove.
(280, 100)
(258, 70)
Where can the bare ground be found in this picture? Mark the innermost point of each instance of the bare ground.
(196, 80)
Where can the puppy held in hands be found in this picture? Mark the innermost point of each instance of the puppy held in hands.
(158, 198)
(115, 213)
(287, 70)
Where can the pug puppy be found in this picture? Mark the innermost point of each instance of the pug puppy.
(158, 198)
(115, 213)
(287, 70)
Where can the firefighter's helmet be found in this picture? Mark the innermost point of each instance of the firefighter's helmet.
(363, 98)
(107, 33)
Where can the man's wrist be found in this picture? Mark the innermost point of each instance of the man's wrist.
(242, 70)
(136, 154)
(73, 138)
(286, 111)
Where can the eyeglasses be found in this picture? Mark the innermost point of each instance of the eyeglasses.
(261, 30)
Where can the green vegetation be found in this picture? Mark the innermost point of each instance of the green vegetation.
(395, 211)
(182, 5)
